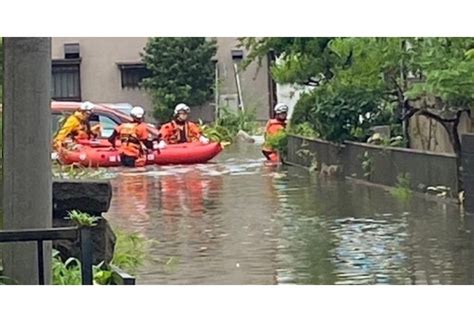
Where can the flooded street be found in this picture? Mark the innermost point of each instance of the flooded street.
(238, 221)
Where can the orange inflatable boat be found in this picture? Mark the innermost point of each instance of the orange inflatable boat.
(101, 154)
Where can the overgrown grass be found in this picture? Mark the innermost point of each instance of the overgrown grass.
(226, 127)
(130, 254)
(76, 171)
(240, 120)
(216, 133)
(402, 189)
(130, 251)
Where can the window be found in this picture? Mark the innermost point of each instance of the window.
(66, 84)
(237, 54)
(133, 74)
(107, 125)
(71, 51)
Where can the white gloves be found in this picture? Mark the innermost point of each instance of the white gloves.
(161, 145)
(54, 156)
(203, 140)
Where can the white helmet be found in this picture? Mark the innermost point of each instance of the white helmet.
(137, 112)
(181, 107)
(280, 108)
(86, 106)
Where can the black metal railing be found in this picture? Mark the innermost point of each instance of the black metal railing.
(66, 233)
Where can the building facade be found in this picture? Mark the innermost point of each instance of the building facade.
(109, 70)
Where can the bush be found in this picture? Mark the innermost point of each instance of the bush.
(129, 255)
(236, 121)
(278, 142)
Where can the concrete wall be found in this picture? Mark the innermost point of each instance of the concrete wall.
(100, 75)
(304, 152)
(254, 80)
(468, 171)
(427, 134)
(425, 168)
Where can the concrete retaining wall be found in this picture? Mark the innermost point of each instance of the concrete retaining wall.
(385, 163)
(468, 171)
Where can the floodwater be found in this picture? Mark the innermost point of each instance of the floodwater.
(238, 221)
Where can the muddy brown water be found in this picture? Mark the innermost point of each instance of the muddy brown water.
(238, 221)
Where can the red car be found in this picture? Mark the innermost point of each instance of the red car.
(108, 118)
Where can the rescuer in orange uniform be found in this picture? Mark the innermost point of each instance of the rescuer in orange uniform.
(273, 127)
(77, 126)
(133, 137)
(180, 130)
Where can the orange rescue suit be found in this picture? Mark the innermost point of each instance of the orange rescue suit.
(131, 136)
(173, 133)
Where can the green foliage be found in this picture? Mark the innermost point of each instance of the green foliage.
(181, 71)
(361, 82)
(163, 114)
(130, 254)
(229, 124)
(82, 219)
(236, 121)
(303, 129)
(217, 133)
(396, 141)
(130, 251)
(367, 165)
(69, 272)
(447, 66)
(402, 190)
(302, 60)
(302, 110)
(77, 171)
(278, 142)
(66, 273)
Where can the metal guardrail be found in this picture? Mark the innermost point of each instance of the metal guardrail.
(120, 277)
(67, 233)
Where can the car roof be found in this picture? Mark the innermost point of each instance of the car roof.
(72, 106)
(60, 106)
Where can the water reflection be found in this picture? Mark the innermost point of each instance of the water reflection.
(237, 221)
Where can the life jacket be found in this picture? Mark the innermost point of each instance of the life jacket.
(129, 138)
(172, 133)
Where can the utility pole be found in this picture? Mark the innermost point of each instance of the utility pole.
(27, 185)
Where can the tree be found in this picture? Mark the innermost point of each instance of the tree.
(304, 61)
(351, 88)
(181, 71)
(389, 80)
(444, 91)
